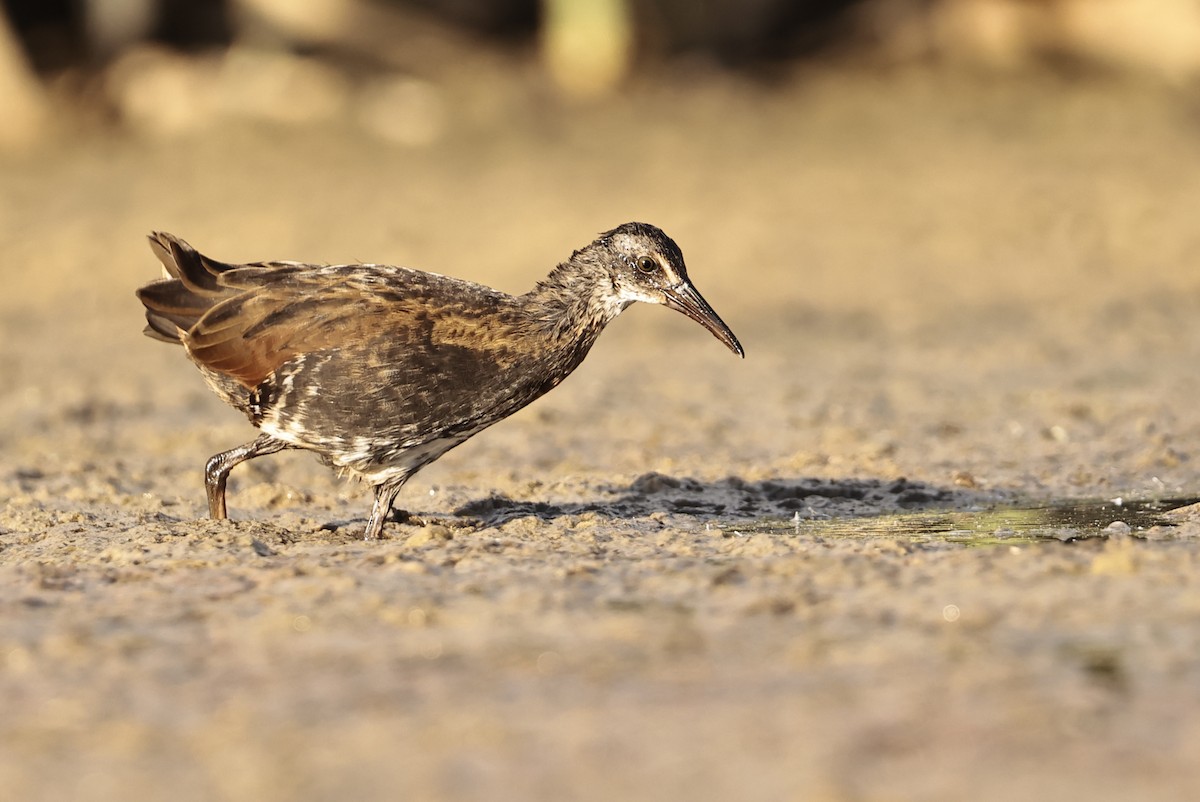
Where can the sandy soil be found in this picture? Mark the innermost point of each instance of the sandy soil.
(988, 289)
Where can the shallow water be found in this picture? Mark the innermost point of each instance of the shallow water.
(1064, 521)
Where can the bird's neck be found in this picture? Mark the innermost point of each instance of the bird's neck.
(573, 304)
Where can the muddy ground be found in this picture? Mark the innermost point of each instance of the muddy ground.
(954, 293)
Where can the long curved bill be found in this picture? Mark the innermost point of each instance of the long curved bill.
(684, 298)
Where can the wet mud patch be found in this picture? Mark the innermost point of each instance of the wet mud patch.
(734, 498)
(1063, 521)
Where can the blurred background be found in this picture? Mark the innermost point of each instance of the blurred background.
(782, 122)
(169, 67)
(856, 184)
(394, 118)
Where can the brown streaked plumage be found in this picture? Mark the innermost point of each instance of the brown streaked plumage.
(379, 369)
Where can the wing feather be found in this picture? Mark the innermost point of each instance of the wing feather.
(245, 321)
(251, 334)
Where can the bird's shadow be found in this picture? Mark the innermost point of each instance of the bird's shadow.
(734, 498)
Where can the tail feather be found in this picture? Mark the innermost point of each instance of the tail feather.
(183, 262)
(161, 330)
(175, 304)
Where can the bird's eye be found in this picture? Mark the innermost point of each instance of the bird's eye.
(646, 265)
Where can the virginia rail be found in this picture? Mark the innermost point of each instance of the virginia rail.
(380, 370)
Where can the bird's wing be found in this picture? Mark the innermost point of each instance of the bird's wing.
(278, 311)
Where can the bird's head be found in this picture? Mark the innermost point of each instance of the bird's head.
(644, 264)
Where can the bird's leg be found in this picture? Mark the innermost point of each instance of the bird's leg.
(216, 472)
(385, 494)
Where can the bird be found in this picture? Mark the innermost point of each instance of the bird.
(380, 370)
